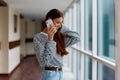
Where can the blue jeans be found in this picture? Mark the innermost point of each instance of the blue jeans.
(52, 75)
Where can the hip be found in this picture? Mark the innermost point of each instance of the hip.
(52, 75)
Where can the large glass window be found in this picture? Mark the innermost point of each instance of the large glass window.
(74, 19)
(106, 29)
(78, 72)
(105, 73)
(70, 24)
(78, 20)
(88, 25)
(88, 68)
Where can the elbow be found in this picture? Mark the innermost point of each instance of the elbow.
(77, 39)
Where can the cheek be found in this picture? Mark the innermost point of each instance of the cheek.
(57, 25)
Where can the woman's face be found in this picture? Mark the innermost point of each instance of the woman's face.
(58, 22)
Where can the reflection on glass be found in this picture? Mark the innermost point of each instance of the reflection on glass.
(106, 27)
(78, 72)
(88, 68)
(88, 25)
(105, 73)
(78, 22)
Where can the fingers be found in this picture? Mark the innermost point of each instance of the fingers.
(52, 30)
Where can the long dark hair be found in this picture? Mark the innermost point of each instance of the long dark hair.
(58, 37)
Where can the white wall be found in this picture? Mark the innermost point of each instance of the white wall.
(10, 58)
(14, 54)
(30, 34)
(12, 35)
(117, 33)
(38, 27)
(32, 28)
(22, 36)
(4, 40)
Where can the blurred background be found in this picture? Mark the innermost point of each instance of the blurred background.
(95, 57)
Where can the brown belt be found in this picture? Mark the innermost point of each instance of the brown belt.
(53, 68)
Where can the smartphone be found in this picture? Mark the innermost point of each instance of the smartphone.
(49, 23)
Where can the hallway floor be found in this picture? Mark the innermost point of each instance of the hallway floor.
(28, 70)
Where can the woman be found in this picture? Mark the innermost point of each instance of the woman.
(50, 46)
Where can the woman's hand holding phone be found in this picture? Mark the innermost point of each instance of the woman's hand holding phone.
(51, 29)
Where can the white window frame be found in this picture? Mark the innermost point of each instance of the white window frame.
(82, 39)
(94, 38)
(117, 35)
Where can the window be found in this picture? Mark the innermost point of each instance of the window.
(106, 29)
(88, 25)
(78, 66)
(96, 51)
(88, 68)
(105, 73)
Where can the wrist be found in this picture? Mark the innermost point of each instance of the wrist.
(50, 39)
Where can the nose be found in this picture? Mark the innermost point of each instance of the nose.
(59, 25)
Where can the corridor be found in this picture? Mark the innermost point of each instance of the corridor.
(95, 57)
(28, 69)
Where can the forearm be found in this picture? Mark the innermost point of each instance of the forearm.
(71, 37)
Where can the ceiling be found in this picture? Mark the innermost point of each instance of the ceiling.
(37, 9)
